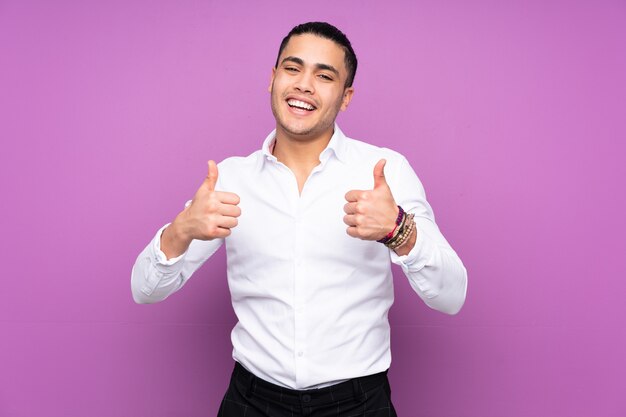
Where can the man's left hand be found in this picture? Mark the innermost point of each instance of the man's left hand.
(371, 214)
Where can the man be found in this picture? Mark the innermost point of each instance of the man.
(311, 222)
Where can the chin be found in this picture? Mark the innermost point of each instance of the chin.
(299, 133)
(297, 129)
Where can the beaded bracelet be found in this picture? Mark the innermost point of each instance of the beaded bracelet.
(405, 234)
(392, 234)
(400, 231)
(404, 237)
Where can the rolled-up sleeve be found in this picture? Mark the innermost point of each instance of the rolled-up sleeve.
(154, 277)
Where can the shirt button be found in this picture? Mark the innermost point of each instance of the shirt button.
(300, 353)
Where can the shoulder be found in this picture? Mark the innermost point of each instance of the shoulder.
(361, 157)
(238, 163)
(237, 170)
(361, 152)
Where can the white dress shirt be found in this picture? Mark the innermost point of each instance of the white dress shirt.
(311, 301)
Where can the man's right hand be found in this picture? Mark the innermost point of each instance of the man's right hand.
(210, 215)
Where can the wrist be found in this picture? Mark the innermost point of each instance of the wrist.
(174, 242)
(176, 231)
(408, 245)
(403, 233)
(394, 228)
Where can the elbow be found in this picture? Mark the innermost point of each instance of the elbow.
(139, 290)
(451, 305)
(454, 308)
(140, 298)
(451, 300)
(458, 296)
(143, 293)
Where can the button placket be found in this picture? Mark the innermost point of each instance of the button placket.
(299, 296)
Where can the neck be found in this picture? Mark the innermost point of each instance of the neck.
(300, 153)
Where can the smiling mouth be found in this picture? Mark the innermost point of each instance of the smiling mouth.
(297, 104)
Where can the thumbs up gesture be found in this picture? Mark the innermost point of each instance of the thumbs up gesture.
(210, 215)
(371, 214)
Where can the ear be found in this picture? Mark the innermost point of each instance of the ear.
(347, 97)
(269, 89)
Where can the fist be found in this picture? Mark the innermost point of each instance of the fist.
(371, 214)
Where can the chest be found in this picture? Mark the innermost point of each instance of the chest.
(281, 218)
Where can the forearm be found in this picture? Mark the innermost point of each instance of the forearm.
(173, 242)
(155, 277)
(434, 270)
(152, 281)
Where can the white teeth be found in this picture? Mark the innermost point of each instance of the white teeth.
(300, 104)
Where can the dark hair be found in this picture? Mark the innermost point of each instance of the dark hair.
(327, 31)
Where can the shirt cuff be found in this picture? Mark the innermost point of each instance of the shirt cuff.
(418, 257)
(159, 258)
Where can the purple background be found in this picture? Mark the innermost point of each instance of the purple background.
(512, 113)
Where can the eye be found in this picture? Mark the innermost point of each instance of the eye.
(291, 69)
(325, 77)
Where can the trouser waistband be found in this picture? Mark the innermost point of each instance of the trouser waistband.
(353, 388)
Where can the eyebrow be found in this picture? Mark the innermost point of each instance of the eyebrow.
(299, 61)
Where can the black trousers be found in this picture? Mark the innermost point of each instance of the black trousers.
(250, 396)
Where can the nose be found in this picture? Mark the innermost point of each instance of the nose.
(304, 83)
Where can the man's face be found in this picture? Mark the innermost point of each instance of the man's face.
(307, 87)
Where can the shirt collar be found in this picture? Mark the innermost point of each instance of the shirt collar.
(336, 145)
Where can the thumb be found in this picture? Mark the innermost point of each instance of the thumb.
(211, 178)
(379, 174)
